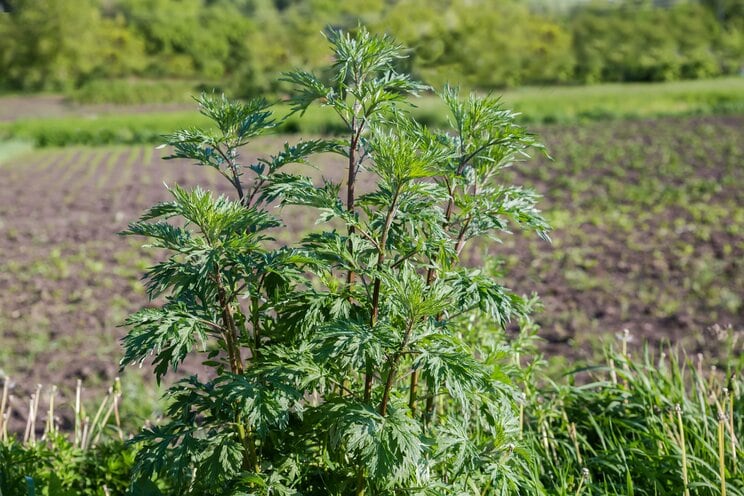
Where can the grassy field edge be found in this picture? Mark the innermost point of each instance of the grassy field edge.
(546, 105)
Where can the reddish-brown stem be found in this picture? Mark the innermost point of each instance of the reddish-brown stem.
(368, 375)
(350, 185)
(461, 236)
(356, 133)
(431, 273)
(430, 276)
(231, 330)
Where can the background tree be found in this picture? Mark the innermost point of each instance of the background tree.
(49, 44)
(244, 46)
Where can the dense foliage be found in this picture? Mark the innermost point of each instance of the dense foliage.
(627, 426)
(349, 364)
(241, 46)
(56, 467)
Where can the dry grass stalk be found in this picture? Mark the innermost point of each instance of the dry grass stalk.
(722, 450)
(95, 427)
(51, 426)
(37, 397)
(729, 402)
(683, 447)
(117, 417)
(584, 480)
(574, 438)
(86, 429)
(78, 414)
(6, 418)
(3, 404)
(87, 433)
(31, 415)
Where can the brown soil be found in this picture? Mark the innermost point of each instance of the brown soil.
(67, 280)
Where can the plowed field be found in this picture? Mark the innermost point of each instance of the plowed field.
(649, 219)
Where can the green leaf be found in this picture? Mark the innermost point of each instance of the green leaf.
(237, 120)
(389, 447)
(167, 333)
(445, 363)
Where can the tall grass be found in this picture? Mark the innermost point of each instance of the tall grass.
(656, 424)
(86, 432)
(653, 425)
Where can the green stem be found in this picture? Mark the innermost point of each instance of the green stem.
(378, 284)
(255, 317)
(394, 369)
(250, 462)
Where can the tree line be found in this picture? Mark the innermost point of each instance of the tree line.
(241, 45)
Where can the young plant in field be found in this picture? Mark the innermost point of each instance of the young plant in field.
(348, 364)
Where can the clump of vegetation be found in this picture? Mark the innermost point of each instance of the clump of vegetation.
(347, 364)
(57, 467)
(92, 459)
(663, 424)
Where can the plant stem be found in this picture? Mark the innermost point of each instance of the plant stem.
(37, 397)
(250, 462)
(412, 392)
(732, 431)
(96, 418)
(394, 369)
(27, 432)
(351, 183)
(430, 277)
(6, 419)
(361, 486)
(234, 171)
(51, 427)
(378, 283)
(78, 414)
(231, 333)
(255, 317)
(381, 256)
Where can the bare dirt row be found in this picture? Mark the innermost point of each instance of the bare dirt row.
(649, 220)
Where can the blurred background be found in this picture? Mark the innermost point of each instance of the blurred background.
(134, 51)
(640, 104)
